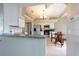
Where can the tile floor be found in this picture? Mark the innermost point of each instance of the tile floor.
(53, 50)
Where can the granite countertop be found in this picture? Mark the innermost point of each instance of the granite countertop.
(31, 36)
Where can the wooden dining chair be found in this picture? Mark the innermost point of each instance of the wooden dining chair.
(59, 38)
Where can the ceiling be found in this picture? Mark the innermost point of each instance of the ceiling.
(42, 11)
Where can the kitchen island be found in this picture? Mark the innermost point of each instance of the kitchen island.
(22, 45)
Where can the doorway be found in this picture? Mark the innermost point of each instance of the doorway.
(28, 28)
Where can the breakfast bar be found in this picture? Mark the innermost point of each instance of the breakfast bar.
(22, 46)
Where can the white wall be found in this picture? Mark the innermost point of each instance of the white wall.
(61, 26)
(73, 41)
(10, 16)
(73, 32)
(73, 27)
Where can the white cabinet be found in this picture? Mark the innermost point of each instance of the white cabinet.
(21, 22)
(11, 15)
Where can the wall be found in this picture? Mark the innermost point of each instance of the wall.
(73, 32)
(10, 16)
(61, 25)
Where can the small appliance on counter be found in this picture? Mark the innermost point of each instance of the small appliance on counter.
(15, 30)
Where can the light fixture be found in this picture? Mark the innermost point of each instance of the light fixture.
(44, 16)
(47, 5)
